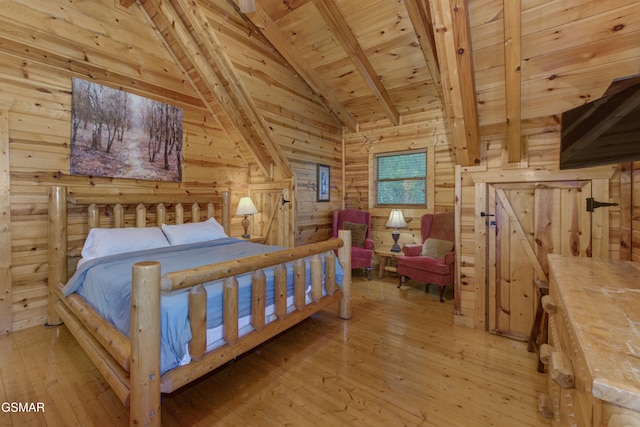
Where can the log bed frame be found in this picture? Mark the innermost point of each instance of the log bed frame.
(132, 366)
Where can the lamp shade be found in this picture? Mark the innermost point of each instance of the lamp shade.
(246, 207)
(396, 219)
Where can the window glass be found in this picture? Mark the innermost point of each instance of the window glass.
(401, 178)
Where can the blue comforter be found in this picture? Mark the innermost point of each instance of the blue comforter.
(105, 283)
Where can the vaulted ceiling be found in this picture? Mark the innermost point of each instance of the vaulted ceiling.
(367, 64)
(382, 60)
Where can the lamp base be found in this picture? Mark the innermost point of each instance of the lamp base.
(245, 224)
(395, 248)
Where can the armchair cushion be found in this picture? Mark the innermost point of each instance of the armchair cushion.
(424, 266)
(436, 248)
(411, 249)
(358, 232)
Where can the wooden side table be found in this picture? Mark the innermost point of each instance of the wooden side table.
(385, 257)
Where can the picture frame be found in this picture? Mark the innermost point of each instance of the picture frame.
(323, 187)
(118, 134)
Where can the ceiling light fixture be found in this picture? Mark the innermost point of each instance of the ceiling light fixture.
(247, 6)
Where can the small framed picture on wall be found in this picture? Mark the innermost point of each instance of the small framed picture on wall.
(324, 182)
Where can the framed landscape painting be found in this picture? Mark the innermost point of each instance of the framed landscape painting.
(122, 135)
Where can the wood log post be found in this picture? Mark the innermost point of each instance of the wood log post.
(280, 293)
(330, 273)
(230, 310)
(316, 278)
(258, 299)
(226, 212)
(145, 345)
(141, 215)
(210, 210)
(118, 216)
(93, 216)
(179, 213)
(198, 321)
(299, 283)
(195, 212)
(344, 255)
(161, 214)
(57, 258)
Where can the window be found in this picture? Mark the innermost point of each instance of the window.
(401, 178)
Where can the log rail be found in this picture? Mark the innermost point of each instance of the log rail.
(132, 366)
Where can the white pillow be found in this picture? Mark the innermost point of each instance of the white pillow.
(193, 232)
(112, 241)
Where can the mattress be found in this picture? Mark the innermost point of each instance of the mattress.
(105, 283)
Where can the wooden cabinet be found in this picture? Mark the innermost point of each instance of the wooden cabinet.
(594, 335)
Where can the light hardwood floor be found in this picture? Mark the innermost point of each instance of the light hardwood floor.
(399, 361)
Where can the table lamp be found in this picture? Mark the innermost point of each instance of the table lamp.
(246, 208)
(396, 220)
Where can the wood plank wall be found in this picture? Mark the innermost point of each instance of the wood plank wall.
(306, 131)
(313, 218)
(423, 130)
(570, 55)
(47, 44)
(43, 44)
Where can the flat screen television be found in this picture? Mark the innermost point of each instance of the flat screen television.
(604, 131)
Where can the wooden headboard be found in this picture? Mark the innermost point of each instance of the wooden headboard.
(166, 212)
(72, 215)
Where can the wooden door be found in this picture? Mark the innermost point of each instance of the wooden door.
(274, 218)
(526, 222)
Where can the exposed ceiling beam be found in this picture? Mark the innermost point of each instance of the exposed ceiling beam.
(420, 15)
(270, 30)
(512, 60)
(340, 28)
(453, 41)
(186, 31)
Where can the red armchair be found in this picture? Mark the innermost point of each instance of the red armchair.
(359, 222)
(440, 266)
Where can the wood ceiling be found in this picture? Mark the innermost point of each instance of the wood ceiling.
(367, 64)
(382, 60)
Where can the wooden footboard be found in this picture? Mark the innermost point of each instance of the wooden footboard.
(132, 366)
